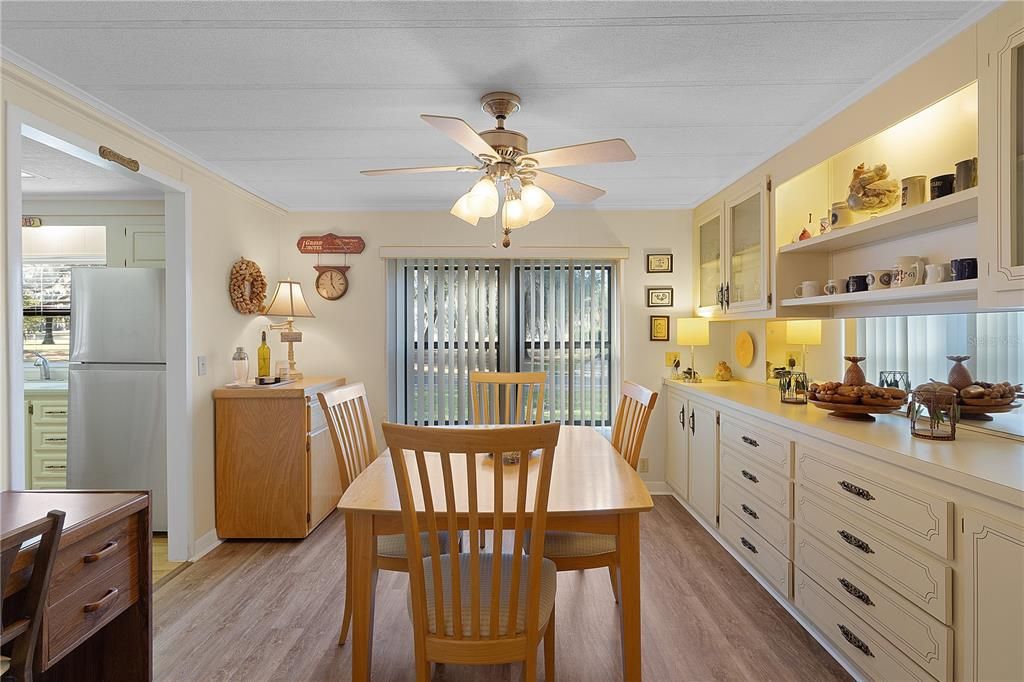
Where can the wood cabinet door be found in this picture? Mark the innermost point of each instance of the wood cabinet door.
(703, 453)
(994, 593)
(677, 460)
(324, 477)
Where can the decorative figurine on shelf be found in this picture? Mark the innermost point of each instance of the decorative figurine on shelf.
(676, 374)
(872, 190)
(690, 376)
(854, 375)
(959, 376)
(723, 372)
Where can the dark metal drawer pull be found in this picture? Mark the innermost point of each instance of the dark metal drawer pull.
(682, 416)
(855, 541)
(749, 476)
(750, 441)
(855, 640)
(107, 550)
(748, 545)
(103, 602)
(749, 512)
(856, 591)
(856, 490)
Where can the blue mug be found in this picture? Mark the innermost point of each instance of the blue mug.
(964, 268)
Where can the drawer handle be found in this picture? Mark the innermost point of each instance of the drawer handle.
(856, 490)
(856, 591)
(102, 603)
(855, 541)
(748, 545)
(749, 476)
(749, 512)
(107, 550)
(56, 467)
(750, 441)
(855, 640)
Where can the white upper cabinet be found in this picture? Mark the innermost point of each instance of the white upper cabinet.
(709, 264)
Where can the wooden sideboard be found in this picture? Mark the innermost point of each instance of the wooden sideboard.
(97, 623)
(276, 472)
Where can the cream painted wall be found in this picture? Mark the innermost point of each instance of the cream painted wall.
(348, 336)
(227, 222)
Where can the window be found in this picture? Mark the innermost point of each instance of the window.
(448, 318)
(46, 307)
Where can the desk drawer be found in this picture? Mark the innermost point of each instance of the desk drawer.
(315, 417)
(913, 573)
(755, 477)
(926, 641)
(861, 644)
(771, 450)
(774, 527)
(917, 516)
(89, 558)
(776, 568)
(74, 618)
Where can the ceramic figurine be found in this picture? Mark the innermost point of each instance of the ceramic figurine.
(959, 376)
(723, 372)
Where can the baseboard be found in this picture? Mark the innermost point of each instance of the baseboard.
(204, 545)
(835, 653)
(658, 488)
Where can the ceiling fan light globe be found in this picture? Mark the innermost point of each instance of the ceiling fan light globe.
(462, 211)
(538, 202)
(483, 198)
(514, 214)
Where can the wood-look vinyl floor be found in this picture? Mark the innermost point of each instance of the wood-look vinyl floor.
(272, 611)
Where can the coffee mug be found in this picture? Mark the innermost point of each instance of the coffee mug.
(964, 268)
(966, 175)
(936, 272)
(879, 279)
(856, 283)
(835, 286)
(811, 287)
(908, 271)
(841, 215)
(913, 190)
(942, 185)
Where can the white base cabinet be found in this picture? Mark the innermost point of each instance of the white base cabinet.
(677, 444)
(46, 441)
(704, 461)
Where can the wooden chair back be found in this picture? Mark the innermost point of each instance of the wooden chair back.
(450, 468)
(631, 417)
(348, 418)
(507, 397)
(25, 612)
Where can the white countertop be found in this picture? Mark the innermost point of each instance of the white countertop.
(46, 387)
(989, 464)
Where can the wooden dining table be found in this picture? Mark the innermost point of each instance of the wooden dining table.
(593, 489)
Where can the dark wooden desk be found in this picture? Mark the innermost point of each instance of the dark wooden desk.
(97, 623)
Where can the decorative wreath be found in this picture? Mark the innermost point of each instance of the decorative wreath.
(247, 287)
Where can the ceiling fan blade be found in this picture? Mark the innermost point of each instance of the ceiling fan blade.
(420, 169)
(459, 130)
(570, 189)
(604, 151)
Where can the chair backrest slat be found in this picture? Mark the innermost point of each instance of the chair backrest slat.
(507, 397)
(347, 410)
(420, 456)
(631, 418)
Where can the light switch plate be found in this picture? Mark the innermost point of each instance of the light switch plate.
(670, 358)
(201, 365)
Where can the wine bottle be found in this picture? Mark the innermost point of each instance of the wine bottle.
(263, 357)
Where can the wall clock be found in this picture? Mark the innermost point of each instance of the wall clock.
(331, 282)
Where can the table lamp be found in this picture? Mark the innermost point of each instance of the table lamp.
(803, 333)
(692, 331)
(289, 303)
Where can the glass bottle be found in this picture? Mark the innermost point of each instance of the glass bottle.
(240, 366)
(263, 357)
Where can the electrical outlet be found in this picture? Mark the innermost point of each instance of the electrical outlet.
(671, 358)
(641, 466)
(201, 365)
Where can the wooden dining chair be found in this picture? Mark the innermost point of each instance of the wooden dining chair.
(578, 551)
(23, 611)
(355, 446)
(507, 397)
(477, 607)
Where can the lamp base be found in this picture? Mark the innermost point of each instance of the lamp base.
(290, 374)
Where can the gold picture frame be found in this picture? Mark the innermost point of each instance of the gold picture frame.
(659, 327)
(659, 262)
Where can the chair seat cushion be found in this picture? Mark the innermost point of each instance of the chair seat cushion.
(548, 583)
(393, 546)
(571, 544)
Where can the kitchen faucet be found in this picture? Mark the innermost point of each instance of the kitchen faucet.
(44, 366)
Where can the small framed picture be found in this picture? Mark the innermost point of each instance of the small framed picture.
(659, 327)
(659, 297)
(659, 262)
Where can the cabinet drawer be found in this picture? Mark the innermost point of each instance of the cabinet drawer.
(87, 609)
(49, 466)
(926, 641)
(861, 644)
(49, 412)
(775, 528)
(315, 417)
(915, 515)
(49, 483)
(913, 573)
(50, 438)
(776, 568)
(758, 479)
(93, 556)
(770, 450)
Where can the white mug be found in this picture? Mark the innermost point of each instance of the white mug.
(879, 279)
(908, 271)
(835, 286)
(811, 287)
(937, 272)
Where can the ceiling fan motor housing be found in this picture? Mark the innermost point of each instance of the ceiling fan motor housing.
(509, 143)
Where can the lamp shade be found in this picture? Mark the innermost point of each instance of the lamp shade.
(288, 301)
(513, 214)
(693, 331)
(538, 202)
(800, 332)
(483, 198)
(462, 211)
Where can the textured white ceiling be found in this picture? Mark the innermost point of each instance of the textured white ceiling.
(60, 175)
(294, 98)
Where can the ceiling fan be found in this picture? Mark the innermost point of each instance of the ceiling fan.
(503, 157)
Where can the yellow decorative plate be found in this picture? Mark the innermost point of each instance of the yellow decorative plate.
(745, 349)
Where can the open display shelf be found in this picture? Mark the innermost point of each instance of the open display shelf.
(946, 291)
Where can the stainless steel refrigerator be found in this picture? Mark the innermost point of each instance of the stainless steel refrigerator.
(117, 388)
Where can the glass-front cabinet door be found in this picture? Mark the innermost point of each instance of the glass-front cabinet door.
(746, 280)
(709, 264)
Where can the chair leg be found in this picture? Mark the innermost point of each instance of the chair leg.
(346, 619)
(530, 665)
(613, 574)
(483, 538)
(549, 649)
